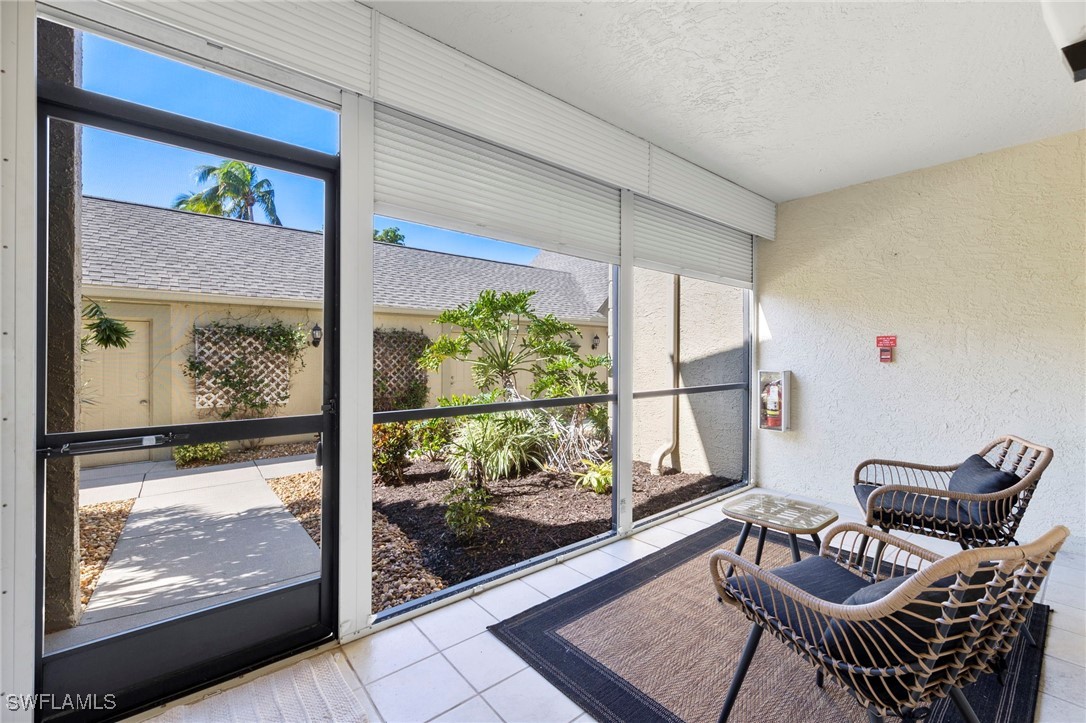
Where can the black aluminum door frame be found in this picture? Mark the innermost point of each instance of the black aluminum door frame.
(148, 665)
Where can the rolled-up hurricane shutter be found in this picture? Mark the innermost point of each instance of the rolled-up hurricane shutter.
(426, 173)
(674, 241)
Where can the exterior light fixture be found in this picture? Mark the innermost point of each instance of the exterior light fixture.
(316, 334)
(1067, 24)
(595, 341)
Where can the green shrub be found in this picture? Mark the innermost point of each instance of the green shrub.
(391, 445)
(431, 436)
(488, 447)
(209, 452)
(596, 476)
(466, 511)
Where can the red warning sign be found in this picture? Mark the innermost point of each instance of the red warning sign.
(885, 342)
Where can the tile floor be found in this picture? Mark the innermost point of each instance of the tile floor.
(445, 666)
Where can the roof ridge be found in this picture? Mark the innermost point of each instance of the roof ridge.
(199, 215)
(477, 258)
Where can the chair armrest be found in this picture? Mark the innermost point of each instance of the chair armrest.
(879, 472)
(848, 544)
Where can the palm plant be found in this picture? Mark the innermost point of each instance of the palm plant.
(501, 336)
(236, 190)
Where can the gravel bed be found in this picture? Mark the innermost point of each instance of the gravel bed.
(301, 494)
(99, 527)
(399, 574)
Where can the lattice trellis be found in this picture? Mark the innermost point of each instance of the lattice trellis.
(395, 365)
(218, 347)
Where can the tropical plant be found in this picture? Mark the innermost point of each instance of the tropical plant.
(236, 190)
(102, 330)
(466, 510)
(500, 335)
(431, 437)
(596, 476)
(489, 447)
(391, 445)
(389, 236)
(184, 454)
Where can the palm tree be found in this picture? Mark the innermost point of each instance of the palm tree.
(236, 189)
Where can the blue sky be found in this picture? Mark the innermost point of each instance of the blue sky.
(131, 169)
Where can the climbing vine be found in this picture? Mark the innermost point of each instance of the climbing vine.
(243, 371)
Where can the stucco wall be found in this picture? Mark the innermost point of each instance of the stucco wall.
(711, 351)
(170, 394)
(977, 266)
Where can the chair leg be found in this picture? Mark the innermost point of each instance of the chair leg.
(741, 672)
(820, 677)
(873, 717)
(1028, 635)
(964, 708)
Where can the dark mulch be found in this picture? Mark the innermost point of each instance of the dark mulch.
(532, 515)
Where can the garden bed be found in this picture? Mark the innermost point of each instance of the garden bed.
(415, 553)
(532, 515)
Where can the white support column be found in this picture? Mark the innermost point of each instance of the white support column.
(623, 355)
(18, 331)
(356, 365)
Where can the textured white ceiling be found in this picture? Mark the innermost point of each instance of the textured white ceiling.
(787, 99)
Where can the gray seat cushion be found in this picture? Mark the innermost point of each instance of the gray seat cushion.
(815, 575)
(940, 510)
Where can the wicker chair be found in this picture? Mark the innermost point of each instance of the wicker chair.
(899, 630)
(938, 501)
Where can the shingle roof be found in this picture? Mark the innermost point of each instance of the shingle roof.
(593, 277)
(132, 246)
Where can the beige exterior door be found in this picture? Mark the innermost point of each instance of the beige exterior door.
(117, 391)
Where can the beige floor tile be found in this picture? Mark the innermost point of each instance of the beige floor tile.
(683, 525)
(1066, 595)
(595, 563)
(710, 515)
(1064, 680)
(1067, 646)
(629, 550)
(659, 536)
(484, 660)
(555, 580)
(527, 697)
(420, 692)
(1053, 710)
(454, 623)
(387, 651)
(1068, 618)
(475, 710)
(509, 598)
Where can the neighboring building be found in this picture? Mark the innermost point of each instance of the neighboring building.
(164, 271)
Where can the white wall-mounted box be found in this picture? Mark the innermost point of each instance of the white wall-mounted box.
(774, 400)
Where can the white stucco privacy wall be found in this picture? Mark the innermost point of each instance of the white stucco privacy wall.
(978, 267)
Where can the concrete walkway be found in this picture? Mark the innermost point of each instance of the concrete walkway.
(194, 538)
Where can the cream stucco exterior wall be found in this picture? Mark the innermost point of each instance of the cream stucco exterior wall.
(711, 351)
(169, 394)
(978, 267)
